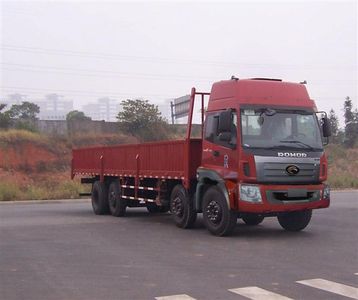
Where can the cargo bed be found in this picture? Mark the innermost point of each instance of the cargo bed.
(176, 159)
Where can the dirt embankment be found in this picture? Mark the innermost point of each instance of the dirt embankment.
(32, 153)
(24, 156)
(35, 166)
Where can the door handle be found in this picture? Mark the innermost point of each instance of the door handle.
(216, 153)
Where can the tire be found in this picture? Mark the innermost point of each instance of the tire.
(295, 221)
(218, 218)
(182, 208)
(117, 205)
(252, 219)
(154, 209)
(99, 198)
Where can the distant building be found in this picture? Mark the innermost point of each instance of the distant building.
(104, 109)
(164, 109)
(54, 107)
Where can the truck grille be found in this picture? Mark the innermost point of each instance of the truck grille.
(273, 170)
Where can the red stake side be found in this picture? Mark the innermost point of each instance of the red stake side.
(166, 160)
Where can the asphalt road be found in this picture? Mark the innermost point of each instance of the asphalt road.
(63, 251)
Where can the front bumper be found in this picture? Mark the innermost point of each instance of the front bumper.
(284, 198)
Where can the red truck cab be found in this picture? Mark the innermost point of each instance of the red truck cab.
(262, 142)
(260, 155)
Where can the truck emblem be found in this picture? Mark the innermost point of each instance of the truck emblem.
(292, 170)
(291, 154)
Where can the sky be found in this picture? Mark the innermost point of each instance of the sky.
(158, 51)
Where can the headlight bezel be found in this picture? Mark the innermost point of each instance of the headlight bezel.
(326, 192)
(250, 193)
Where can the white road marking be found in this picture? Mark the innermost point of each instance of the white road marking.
(355, 273)
(256, 293)
(331, 286)
(175, 297)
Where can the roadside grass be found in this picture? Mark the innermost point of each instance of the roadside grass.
(9, 191)
(52, 190)
(15, 136)
(342, 166)
(343, 182)
(47, 190)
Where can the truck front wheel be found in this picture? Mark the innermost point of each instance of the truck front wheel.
(295, 221)
(117, 205)
(182, 208)
(218, 217)
(99, 198)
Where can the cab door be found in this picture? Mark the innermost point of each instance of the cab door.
(220, 143)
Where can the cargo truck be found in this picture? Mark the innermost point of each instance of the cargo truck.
(260, 155)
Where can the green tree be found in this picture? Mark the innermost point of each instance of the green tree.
(4, 117)
(77, 115)
(355, 124)
(334, 122)
(25, 115)
(142, 120)
(334, 125)
(24, 111)
(350, 121)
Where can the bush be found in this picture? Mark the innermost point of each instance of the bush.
(26, 125)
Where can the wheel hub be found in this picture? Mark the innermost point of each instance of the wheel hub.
(214, 212)
(177, 206)
(112, 199)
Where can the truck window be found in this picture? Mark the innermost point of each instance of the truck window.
(211, 127)
(211, 133)
(250, 125)
(305, 125)
(285, 128)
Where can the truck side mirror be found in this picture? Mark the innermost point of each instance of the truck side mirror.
(225, 121)
(326, 127)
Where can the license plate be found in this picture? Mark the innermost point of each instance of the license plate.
(297, 193)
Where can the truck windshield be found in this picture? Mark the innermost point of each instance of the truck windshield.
(273, 128)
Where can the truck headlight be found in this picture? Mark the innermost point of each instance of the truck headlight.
(326, 195)
(250, 193)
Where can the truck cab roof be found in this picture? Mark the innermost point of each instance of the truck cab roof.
(259, 91)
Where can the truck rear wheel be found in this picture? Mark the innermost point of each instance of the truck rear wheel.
(99, 198)
(117, 205)
(182, 208)
(295, 221)
(252, 219)
(218, 217)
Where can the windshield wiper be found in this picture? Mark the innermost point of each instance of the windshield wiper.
(299, 143)
(276, 147)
